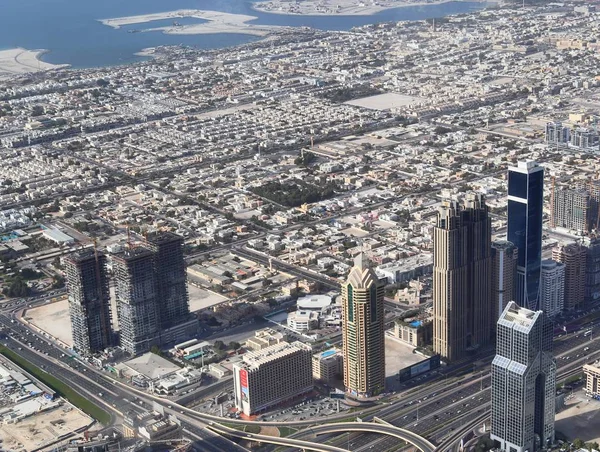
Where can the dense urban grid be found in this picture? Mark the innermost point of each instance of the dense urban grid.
(382, 239)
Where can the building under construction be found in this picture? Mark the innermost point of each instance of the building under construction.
(169, 264)
(151, 291)
(137, 299)
(89, 301)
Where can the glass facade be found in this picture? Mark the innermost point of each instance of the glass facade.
(523, 381)
(350, 303)
(517, 184)
(525, 214)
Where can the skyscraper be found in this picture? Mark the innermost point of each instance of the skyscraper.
(363, 331)
(525, 209)
(137, 296)
(523, 381)
(504, 272)
(592, 266)
(574, 257)
(552, 294)
(169, 265)
(89, 301)
(462, 274)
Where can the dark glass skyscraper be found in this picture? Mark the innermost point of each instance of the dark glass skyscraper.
(525, 209)
(523, 381)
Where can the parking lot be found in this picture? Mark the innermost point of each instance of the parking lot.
(581, 418)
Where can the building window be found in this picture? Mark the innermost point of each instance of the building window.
(350, 303)
(373, 302)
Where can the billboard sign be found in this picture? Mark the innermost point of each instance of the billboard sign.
(244, 384)
(419, 368)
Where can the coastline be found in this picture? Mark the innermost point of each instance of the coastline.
(19, 61)
(216, 22)
(341, 7)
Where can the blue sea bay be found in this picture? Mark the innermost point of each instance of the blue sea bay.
(72, 34)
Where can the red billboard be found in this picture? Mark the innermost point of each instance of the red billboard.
(244, 378)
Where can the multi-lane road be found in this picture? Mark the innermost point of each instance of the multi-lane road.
(451, 398)
(450, 402)
(112, 397)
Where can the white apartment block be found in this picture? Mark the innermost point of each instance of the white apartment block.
(272, 375)
(552, 292)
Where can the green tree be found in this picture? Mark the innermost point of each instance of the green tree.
(17, 288)
(578, 443)
(58, 283)
(28, 273)
(441, 130)
(233, 345)
(219, 345)
(156, 350)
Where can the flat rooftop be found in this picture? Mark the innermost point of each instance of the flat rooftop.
(260, 357)
(518, 315)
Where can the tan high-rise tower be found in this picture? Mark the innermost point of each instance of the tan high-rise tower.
(574, 256)
(505, 256)
(462, 272)
(363, 331)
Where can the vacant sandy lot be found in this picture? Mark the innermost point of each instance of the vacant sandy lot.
(385, 101)
(398, 356)
(200, 298)
(35, 431)
(54, 319)
(581, 419)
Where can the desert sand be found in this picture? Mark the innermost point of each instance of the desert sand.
(22, 61)
(218, 22)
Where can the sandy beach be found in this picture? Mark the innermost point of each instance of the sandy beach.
(218, 22)
(338, 7)
(22, 61)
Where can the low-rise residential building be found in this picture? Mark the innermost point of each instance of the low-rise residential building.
(151, 426)
(328, 366)
(264, 338)
(303, 320)
(592, 378)
(417, 333)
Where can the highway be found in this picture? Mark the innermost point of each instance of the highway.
(281, 441)
(445, 406)
(113, 398)
(451, 399)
